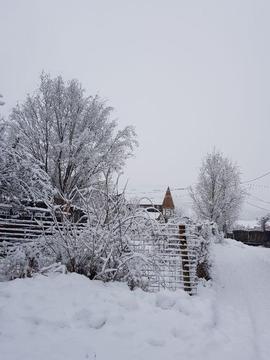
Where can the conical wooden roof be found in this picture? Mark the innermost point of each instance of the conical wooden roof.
(168, 201)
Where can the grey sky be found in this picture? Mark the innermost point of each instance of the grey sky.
(189, 75)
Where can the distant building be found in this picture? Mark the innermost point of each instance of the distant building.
(167, 208)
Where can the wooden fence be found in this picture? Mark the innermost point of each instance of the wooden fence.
(25, 224)
(251, 237)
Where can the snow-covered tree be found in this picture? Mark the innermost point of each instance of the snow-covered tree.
(263, 221)
(21, 177)
(71, 135)
(218, 195)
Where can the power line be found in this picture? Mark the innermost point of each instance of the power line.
(257, 178)
(256, 206)
(259, 199)
(246, 183)
(163, 190)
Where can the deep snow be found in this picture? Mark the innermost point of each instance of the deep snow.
(68, 317)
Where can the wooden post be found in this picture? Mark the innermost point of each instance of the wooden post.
(185, 259)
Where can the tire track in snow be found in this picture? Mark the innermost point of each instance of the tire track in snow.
(241, 308)
(256, 289)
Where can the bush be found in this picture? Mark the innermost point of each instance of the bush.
(20, 262)
(26, 260)
(208, 234)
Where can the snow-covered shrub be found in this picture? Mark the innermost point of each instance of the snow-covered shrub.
(21, 261)
(15, 265)
(208, 233)
(25, 260)
(104, 247)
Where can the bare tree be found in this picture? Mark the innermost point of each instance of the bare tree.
(218, 195)
(71, 135)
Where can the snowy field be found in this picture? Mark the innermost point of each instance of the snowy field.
(68, 317)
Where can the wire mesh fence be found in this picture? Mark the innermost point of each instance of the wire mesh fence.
(174, 250)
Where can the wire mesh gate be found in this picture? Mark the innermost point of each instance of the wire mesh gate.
(172, 251)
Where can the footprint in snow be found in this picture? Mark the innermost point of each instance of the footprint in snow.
(87, 319)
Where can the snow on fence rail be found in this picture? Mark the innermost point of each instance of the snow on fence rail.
(16, 230)
(17, 227)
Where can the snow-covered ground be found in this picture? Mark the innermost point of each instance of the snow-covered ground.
(68, 317)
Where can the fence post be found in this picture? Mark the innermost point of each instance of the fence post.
(185, 258)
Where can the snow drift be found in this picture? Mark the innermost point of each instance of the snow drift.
(68, 317)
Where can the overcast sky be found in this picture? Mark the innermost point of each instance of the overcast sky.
(189, 75)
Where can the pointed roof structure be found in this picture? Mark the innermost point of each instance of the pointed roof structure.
(168, 200)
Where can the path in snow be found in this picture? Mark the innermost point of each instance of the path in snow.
(242, 307)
